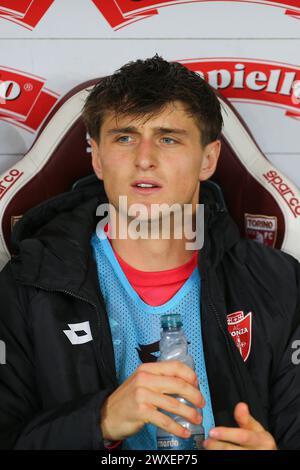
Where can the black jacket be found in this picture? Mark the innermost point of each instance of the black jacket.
(51, 391)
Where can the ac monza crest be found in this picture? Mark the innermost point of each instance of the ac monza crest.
(261, 228)
(240, 329)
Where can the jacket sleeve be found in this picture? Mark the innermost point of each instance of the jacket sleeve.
(72, 425)
(285, 387)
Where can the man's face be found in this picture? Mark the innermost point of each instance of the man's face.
(164, 150)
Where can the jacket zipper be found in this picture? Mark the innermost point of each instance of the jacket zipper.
(213, 307)
(216, 313)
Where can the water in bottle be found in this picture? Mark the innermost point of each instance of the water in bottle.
(173, 346)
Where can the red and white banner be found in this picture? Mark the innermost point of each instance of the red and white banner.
(252, 80)
(26, 13)
(120, 13)
(24, 100)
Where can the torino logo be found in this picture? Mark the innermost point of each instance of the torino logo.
(120, 13)
(24, 100)
(26, 13)
(254, 81)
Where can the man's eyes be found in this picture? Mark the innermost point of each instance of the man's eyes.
(128, 139)
(124, 138)
(169, 140)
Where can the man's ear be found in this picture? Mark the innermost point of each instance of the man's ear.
(210, 158)
(96, 161)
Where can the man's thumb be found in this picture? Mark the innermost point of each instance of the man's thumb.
(245, 420)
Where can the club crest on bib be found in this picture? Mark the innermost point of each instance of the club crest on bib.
(240, 328)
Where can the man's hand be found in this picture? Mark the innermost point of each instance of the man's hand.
(138, 400)
(249, 436)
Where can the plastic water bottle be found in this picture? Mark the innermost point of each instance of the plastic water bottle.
(173, 346)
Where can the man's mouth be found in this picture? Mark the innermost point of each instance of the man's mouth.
(146, 187)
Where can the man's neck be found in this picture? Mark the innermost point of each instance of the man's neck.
(152, 255)
(159, 250)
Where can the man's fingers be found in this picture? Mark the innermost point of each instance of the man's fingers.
(250, 434)
(238, 436)
(169, 385)
(171, 369)
(172, 405)
(164, 422)
(245, 420)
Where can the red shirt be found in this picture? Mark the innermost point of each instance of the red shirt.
(157, 287)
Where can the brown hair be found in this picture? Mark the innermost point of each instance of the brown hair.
(144, 87)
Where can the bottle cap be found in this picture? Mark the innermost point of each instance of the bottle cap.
(172, 320)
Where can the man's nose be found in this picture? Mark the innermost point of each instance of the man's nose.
(146, 155)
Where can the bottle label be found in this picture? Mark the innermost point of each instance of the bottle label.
(177, 443)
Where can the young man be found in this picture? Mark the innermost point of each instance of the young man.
(81, 306)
